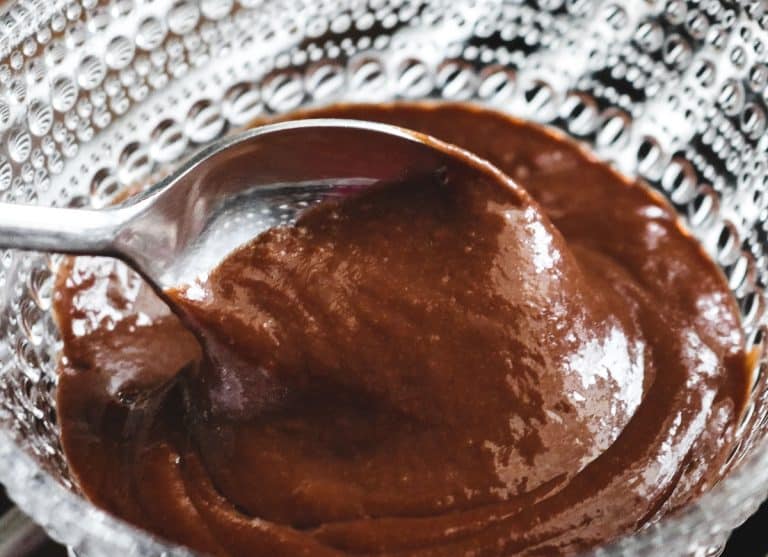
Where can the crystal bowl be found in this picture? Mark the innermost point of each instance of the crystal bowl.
(97, 95)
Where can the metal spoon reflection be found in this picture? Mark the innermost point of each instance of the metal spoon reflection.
(226, 194)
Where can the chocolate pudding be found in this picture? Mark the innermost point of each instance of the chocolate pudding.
(455, 364)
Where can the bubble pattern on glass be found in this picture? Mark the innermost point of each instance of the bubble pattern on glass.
(98, 95)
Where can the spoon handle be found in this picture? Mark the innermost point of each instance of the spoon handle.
(40, 228)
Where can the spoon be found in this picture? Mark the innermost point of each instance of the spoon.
(226, 194)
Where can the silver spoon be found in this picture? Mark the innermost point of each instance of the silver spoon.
(226, 194)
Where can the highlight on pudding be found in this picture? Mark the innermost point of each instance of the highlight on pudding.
(448, 365)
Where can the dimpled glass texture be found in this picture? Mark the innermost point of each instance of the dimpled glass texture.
(96, 95)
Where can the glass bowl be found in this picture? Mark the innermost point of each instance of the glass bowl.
(98, 95)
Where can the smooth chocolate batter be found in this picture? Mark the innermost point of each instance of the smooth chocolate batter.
(438, 367)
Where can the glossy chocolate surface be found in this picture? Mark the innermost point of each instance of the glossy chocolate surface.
(452, 365)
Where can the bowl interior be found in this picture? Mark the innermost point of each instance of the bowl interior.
(98, 96)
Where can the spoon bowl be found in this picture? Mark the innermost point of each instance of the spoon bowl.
(182, 227)
(232, 190)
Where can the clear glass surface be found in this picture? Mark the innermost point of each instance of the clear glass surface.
(97, 95)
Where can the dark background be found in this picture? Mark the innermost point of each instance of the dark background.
(751, 540)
